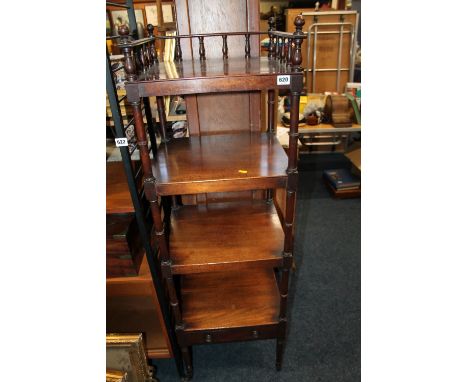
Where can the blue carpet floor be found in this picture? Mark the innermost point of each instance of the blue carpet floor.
(324, 305)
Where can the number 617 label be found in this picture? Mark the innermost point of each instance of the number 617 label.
(283, 80)
(119, 142)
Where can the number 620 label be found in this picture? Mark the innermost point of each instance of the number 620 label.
(283, 80)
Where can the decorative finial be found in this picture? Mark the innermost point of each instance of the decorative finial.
(299, 22)
(271, 29)
(123, 30)
(150, 29)
(298, 36)
(272, 22)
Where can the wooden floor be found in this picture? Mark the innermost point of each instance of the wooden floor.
(218, 163)
(229, 299)
(221, 236)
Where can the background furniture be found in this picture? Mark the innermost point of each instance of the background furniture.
(138, 303)
(331, 47)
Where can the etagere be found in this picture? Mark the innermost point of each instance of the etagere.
(226, 265)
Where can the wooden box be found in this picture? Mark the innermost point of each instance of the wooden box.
(124, 250)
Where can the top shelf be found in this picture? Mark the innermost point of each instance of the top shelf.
(214, 75)
(178, 76)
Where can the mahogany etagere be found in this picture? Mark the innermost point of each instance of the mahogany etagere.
(225, 264)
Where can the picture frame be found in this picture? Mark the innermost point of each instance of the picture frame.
(125, 352)
(116, 376)
(167, 13)
(151, 12)
(167, 16)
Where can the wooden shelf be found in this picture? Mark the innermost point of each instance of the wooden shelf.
(219, 163)
(222, 236)
(219, 300)
(175, 78)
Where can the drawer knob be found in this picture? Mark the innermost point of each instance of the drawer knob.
(255, 334)
(208, 338)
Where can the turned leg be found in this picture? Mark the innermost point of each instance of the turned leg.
(279, 353)
(271, 128)
(162, 117)
(187, 357)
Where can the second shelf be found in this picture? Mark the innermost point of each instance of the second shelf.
(220, 163)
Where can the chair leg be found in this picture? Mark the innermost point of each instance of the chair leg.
(187, 357)
(279, 353)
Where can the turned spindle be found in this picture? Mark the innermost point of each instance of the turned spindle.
(153, 51)
(225, 47)
(271, 29)
(178, 50)
(298, 36)
(129, 58)
(282, 49)
(289, 50)
(143, 61)
(149, 59)
(203, 68)
(277, 47)
(137, 58)
(201, 48)
(129, 64)
(247, 45)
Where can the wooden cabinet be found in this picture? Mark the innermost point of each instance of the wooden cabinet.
(131, 302)
(132, 307)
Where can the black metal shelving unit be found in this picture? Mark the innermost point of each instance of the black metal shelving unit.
(138, 199)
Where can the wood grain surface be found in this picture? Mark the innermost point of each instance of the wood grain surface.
(216, 163)
(222, 236)
(229, 299)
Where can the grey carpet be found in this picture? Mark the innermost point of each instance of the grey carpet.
(324, 332)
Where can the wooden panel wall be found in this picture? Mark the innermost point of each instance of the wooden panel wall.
(220, 112)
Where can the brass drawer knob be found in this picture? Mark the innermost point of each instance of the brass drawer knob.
(208, 338)
(255, 334)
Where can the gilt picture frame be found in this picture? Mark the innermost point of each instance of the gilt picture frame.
(116, 376)
(125, 352)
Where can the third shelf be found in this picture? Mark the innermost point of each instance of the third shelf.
(221, 236)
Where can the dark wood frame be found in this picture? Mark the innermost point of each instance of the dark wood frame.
(142, 68)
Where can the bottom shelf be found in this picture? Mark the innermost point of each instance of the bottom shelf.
(225, 300)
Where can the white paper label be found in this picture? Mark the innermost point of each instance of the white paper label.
(119, 142)
(283, 80)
